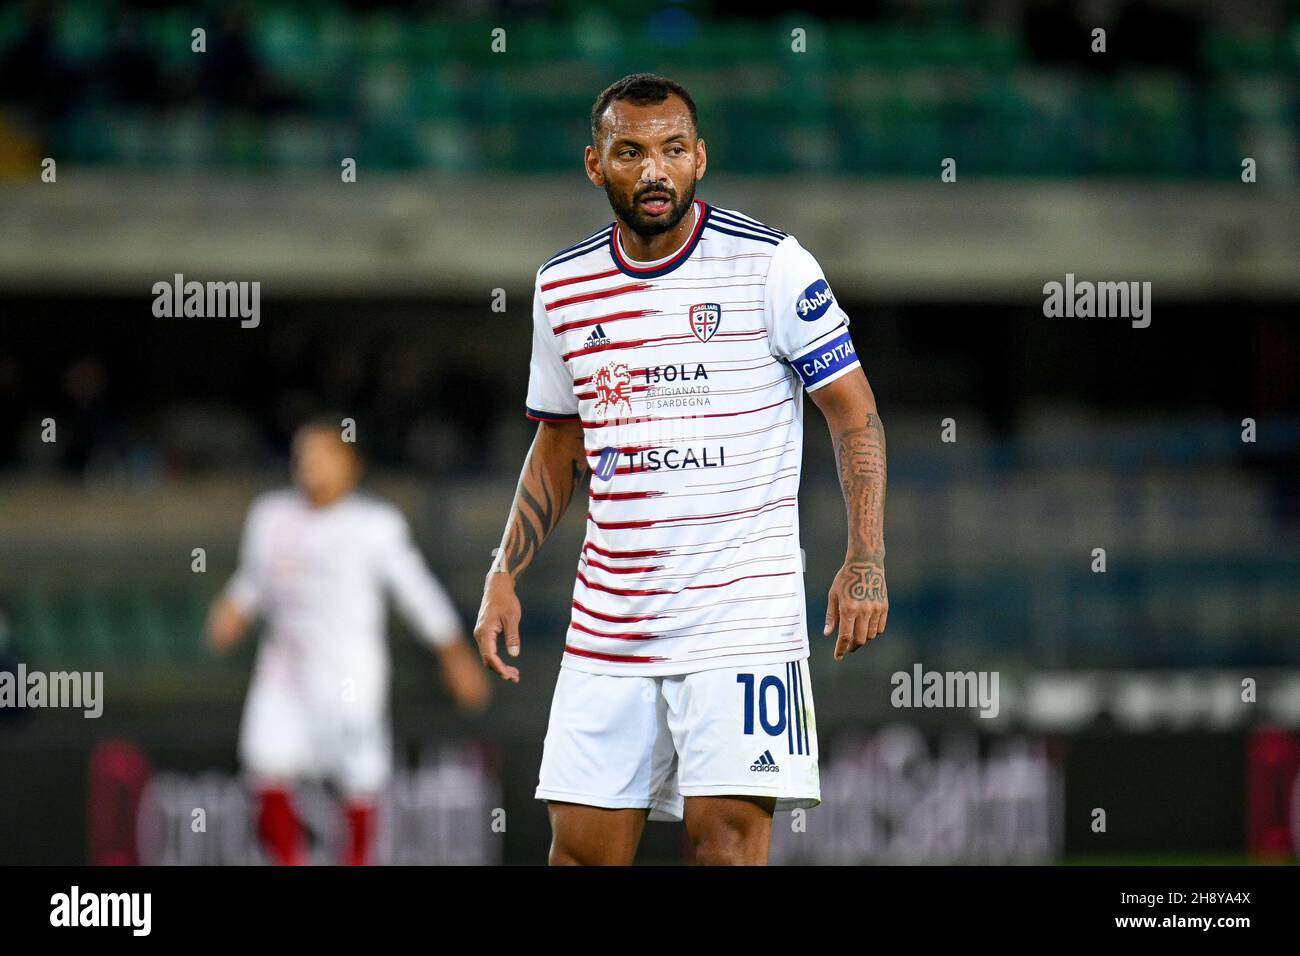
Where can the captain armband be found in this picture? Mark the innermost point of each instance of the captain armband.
(826, 362)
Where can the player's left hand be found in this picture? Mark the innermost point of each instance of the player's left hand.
(858, 605)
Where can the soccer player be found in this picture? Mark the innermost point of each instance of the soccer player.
(670, 354)
(316, 563)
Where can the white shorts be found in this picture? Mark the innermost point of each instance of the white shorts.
(288, 734)
(616, 741)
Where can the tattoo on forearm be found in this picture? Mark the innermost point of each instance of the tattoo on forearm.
(579, 469)
(540, 503)
(534, 520)
(860, 453)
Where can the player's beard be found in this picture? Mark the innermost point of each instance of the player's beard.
(630, 214)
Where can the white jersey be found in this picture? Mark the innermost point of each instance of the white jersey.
(687, 374)
(319, 577)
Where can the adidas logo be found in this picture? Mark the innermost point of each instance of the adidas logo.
(597, 337)
(765, 763)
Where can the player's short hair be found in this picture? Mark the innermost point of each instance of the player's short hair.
(323, 422)
(640, 89)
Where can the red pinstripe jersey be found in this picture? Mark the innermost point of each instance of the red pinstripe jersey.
(687, 375)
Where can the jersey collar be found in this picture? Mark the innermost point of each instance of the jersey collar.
(627, 267)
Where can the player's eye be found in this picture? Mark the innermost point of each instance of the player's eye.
(627, 153)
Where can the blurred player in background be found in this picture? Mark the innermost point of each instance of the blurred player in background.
(671, 351)
(316, 562)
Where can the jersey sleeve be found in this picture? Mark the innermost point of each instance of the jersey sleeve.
(550, 386)
(807, 327)
(247, 587)
(423, 603)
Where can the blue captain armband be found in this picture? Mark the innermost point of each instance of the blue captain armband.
(818, 366)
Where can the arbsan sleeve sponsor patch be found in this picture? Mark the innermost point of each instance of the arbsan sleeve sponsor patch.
(808, 328)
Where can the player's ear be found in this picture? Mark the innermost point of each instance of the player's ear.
(591, 162)
(356, 464)
(701, 160)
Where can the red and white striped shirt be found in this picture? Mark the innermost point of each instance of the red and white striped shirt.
(687, 374)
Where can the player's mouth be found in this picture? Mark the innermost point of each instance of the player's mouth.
(655, 203)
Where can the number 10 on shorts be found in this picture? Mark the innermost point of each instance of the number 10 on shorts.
(766, 710)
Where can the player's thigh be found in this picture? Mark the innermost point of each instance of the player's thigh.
(746, 746)
(608, 745)
(274, 736)
(359, 756)
(730, 830)
(351, 736)
(594, 836)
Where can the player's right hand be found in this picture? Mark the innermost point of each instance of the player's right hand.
(226, 625)
(499, 613)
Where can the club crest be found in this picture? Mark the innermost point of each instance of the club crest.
(704, 319)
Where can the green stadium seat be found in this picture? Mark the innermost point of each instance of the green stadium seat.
(1226, 52)
(88, 638)
(35, 625)
(146, 628)
(85, 31)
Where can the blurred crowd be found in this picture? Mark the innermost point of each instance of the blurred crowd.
(417, 84)
(407, 416)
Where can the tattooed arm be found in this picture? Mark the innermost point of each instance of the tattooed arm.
(858, 605)
(555, 466)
